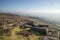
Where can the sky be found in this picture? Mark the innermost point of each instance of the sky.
(46, 8)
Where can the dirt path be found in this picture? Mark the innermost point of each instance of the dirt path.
(13, 33)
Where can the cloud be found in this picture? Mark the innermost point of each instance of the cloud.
(41, 11)
(32, 10)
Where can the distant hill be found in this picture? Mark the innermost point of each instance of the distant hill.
(47, 20)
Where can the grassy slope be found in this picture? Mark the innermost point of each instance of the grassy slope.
(17, 19)
(13, 35)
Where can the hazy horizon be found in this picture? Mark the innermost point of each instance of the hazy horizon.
(45, 8)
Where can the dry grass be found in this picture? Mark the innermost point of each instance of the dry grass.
(13, 35)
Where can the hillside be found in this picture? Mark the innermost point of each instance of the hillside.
(12, 28)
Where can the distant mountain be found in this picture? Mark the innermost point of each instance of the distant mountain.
(47, 20)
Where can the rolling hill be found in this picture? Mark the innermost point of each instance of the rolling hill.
(10, 27)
